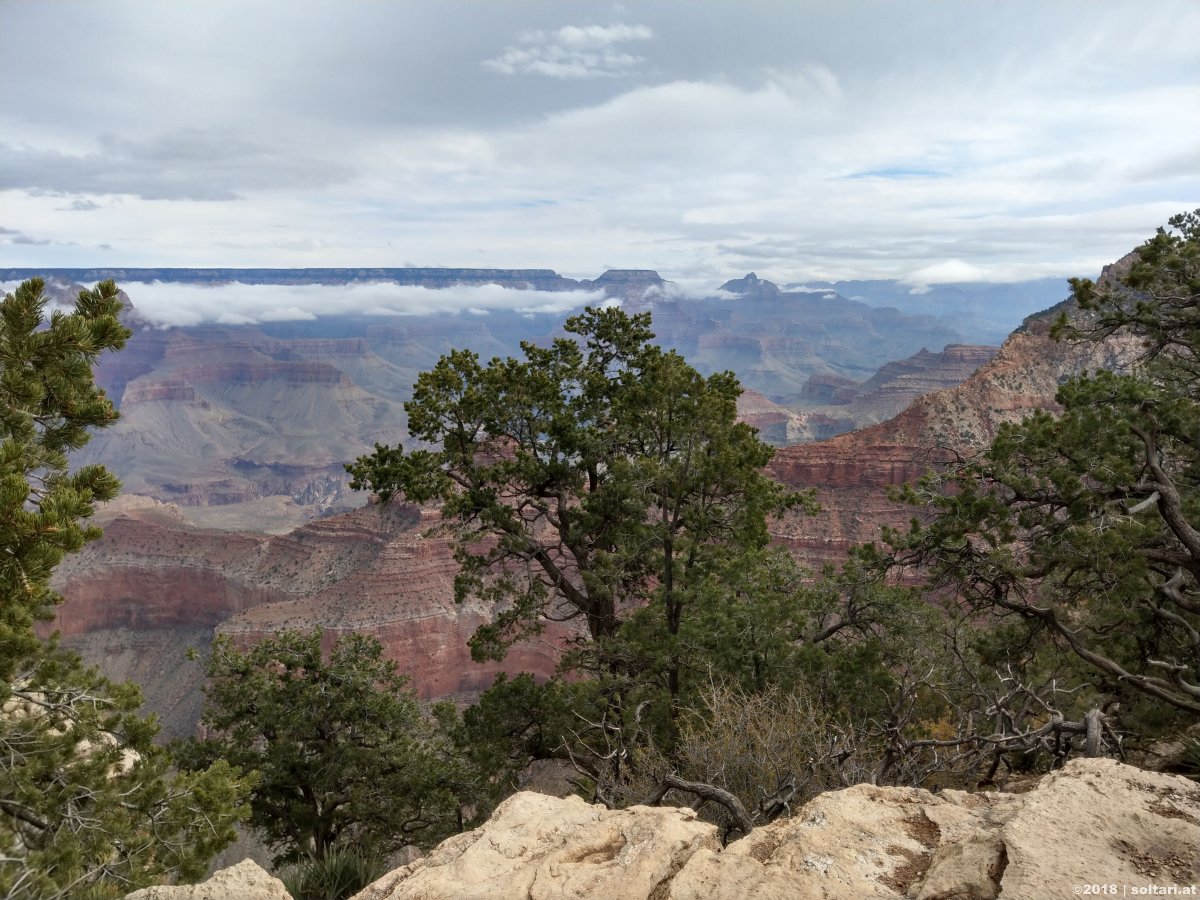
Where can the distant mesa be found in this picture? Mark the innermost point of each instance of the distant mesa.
(629, 283)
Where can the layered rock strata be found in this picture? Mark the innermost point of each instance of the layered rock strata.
(380, 571)
(851, 472)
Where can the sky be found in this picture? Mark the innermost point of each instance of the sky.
(924, 141)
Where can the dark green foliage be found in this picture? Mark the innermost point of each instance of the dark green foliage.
(345, 758)
(583, 481)
(89, 806)
(341, 873)
(1189, 761)
(50, 403)
(517, 720)
(763, 623)
(1083, 527)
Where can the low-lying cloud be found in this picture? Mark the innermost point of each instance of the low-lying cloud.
(171, 303)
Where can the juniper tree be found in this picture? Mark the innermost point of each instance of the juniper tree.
(50, 402)
(346, 758)
(603, 482)
(593, 478)
(1080, 532)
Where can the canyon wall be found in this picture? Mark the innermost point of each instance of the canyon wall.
(851, 472)
(380, 571)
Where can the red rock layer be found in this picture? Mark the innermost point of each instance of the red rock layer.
(372, 571)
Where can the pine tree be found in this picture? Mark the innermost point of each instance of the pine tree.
(89, 806)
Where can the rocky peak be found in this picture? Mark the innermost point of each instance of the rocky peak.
(751, 285)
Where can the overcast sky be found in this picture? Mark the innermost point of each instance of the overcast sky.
(927, 141)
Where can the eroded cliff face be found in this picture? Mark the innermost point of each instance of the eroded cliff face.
(401, 590)
(897, 384)
(379, 571)
(829, 405)
(214, 416)
(851, 472)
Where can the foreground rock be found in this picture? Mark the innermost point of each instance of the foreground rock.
(245, 881)
(1094, 822)
(536, 847)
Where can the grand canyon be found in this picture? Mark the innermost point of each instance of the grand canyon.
(590, 449)
(236, 517)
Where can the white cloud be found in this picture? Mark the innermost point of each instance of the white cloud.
(596, 35)
(231, 318)
(573, 51)
(286, 314)
(952, 271)
(170, 303)
(956, 271)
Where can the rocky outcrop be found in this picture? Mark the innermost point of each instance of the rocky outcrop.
(155, 390)
(245, 881)
(928, 371)
(835, 405)
(750, 285)
(628, 284)
(897, 384)
(536, 847)
(1095, 821)
(829, 390)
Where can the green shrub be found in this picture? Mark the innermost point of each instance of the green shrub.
(339, 874)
